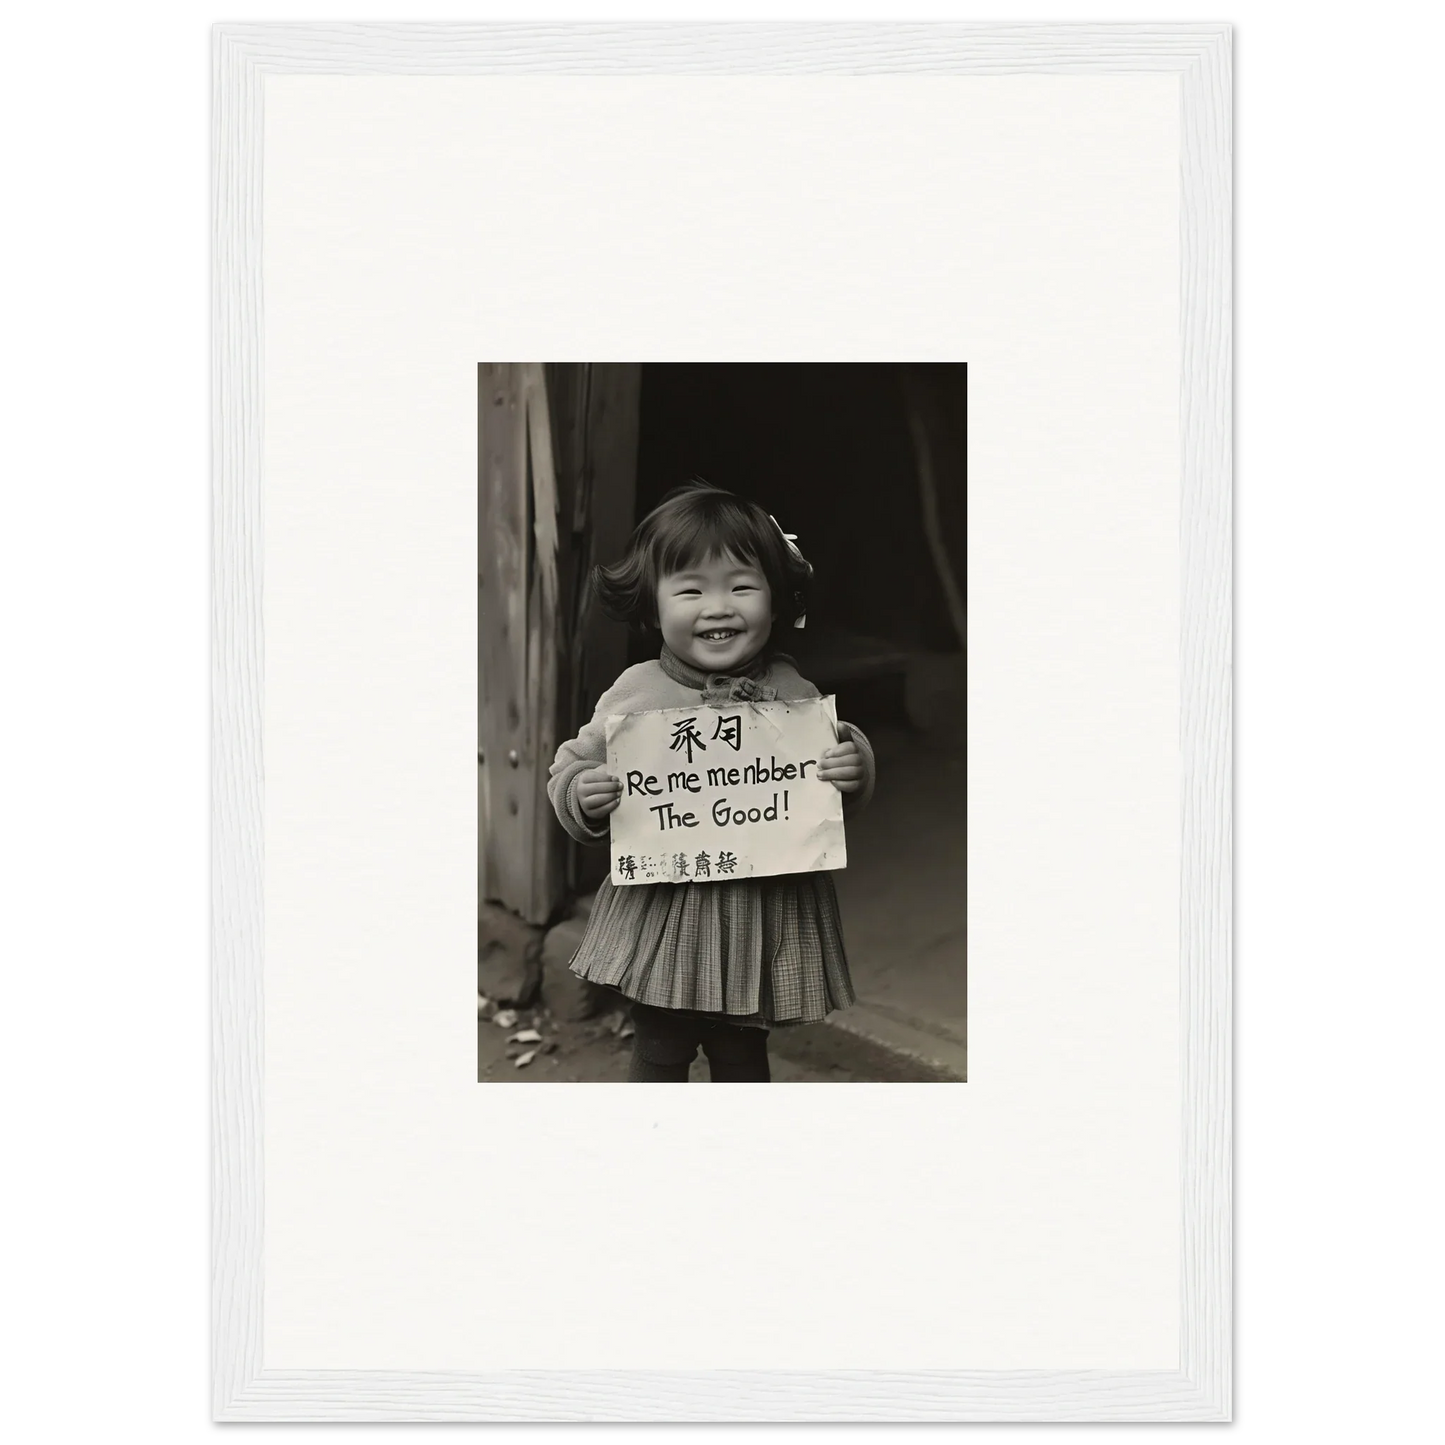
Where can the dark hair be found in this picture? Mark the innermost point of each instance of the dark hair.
(694, 523)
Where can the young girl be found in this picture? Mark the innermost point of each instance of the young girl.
(713, 963)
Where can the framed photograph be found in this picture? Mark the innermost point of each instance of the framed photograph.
(794, 461)
(733, 876)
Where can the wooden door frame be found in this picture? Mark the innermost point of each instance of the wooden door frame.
(557, 458)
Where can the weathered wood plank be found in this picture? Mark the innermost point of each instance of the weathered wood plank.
(502, 588)
(613, 411)
(485, 383)
(547, 644)
(603, 515)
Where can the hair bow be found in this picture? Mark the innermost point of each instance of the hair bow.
(791, 538)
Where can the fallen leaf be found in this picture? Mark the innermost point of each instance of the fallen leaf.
(525, 1059)
(527, 1036)
(505, 1018)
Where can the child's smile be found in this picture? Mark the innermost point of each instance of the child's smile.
(716, 614)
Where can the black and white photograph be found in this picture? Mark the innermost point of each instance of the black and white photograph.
(722, 753)
(793, 463)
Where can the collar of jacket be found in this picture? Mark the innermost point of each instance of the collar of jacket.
(744, 684)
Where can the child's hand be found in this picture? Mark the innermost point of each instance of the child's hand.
(842, 765)
(598, 792)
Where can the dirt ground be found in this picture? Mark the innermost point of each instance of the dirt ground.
(598, 1050)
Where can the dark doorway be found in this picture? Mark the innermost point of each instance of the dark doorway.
(829, 451)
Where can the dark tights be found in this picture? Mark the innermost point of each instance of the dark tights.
(666, 1042)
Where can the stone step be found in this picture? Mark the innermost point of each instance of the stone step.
(927, 1045)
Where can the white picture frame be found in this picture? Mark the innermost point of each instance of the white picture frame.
(244, 55)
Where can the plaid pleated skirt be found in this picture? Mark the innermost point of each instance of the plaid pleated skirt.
(764, 949)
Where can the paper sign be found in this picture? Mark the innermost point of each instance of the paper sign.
(724, 792)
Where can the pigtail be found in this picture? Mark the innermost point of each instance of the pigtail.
(625, 590)
(800, 599)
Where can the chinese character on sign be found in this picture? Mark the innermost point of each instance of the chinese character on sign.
(730, 730)
(701, 867)
(627, 866)
(726, 863)
(685, 735)
(679, 864)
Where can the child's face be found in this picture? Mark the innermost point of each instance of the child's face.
(716, 614)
